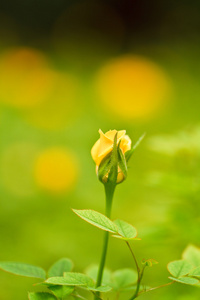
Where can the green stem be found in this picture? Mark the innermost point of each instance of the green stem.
(157, 287)
(117, 296)
(135, 260)
(136, 294)
(109, 191)
(140, 274)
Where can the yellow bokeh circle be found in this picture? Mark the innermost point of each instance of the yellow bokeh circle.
(132, 87)
(25, 78)
(56, 170)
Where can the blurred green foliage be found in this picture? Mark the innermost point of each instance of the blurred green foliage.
(161, 194)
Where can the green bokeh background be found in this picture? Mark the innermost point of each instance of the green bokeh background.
(39, 227)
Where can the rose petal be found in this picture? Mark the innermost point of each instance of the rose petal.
(104, 145)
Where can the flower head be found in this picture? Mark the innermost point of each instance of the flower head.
(104, 146)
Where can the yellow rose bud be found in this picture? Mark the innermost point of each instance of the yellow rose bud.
(104, 146)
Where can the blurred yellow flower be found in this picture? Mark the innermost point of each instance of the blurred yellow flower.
(104, 146)
(132, 88)
(25, 78)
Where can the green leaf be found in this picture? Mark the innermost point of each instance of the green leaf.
(149, 262)
(192, 254)
(92, 272)
(195, 272)
(23, 269)
(179, 268)
(104, 168)
(97, 219)
(123, 278)
(59, 267)
(185, 280)
(41, 296)
(102, 289)
(125, 239)
(125, 230)
(129, 153)
(122, 161)
(61, 291)
(71, 279)
(79, 278)
(112, 176)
